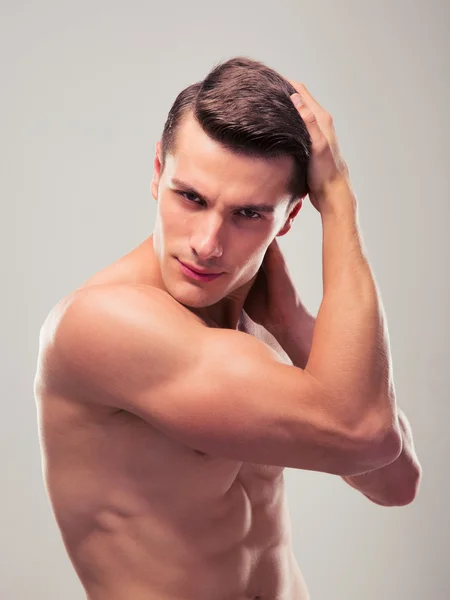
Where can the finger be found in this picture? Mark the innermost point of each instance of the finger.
(295, 84)
(268, 257)
(310, 100)
(309, 119)
(273, 247)
(274, 256)
(307, 98)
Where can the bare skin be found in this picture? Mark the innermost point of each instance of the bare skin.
(165, 428)
(144, 516)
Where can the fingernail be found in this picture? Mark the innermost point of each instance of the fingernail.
(297, 100)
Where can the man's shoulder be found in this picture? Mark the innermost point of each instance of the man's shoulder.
(124, 308)
(101, 329)
(131, 292)
(112, 315)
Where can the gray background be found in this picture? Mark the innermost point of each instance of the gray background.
(85, 89)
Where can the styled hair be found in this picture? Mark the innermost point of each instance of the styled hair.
(245, 106)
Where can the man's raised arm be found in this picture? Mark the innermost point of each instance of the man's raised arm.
(350, 347)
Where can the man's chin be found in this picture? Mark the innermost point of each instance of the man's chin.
(196, 297)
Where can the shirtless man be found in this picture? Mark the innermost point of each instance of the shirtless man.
(170, 400)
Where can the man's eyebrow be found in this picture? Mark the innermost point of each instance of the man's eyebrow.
(255, 207)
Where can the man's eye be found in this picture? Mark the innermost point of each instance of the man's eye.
(192, 199)
(253, 215)
(249, 214)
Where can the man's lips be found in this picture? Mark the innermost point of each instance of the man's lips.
(198, 270)
(198, 275)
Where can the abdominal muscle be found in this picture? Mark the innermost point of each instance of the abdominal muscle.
(144, 517)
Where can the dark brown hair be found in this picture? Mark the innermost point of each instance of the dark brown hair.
(246, 107)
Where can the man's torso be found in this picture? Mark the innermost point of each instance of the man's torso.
(144, 516)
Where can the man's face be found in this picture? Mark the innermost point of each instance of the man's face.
(218, 213)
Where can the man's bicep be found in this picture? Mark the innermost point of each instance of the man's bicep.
(219, 391)
(231, 396)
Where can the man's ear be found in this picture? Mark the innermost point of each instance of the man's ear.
(293, 213)
(156, 171)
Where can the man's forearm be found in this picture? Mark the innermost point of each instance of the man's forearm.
(296, 340)
(350, 352)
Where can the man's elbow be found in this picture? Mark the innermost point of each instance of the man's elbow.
(403, 492)
(386, 445)
(407, 493)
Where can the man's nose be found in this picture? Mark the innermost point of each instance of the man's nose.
(206, 238)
